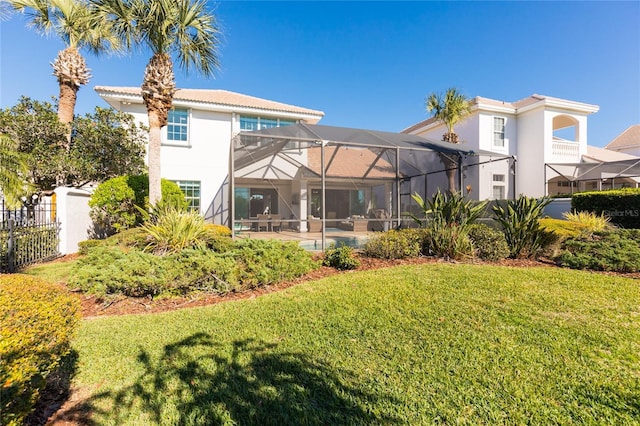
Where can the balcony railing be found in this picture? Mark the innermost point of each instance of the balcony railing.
(563, 150)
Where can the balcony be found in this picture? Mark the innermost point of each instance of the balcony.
(564, 151)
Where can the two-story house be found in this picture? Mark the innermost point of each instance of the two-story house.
(536, 131)
(196, 142)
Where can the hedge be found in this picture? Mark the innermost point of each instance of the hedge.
(37, 322)
(622, 206)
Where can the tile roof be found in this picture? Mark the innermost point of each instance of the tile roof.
(220, 97)
(627, 139)
(349, 162)
(600, 154)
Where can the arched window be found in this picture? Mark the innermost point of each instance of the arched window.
(566, 128)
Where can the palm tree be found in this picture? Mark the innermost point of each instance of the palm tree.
(79, 26)
(450, 108)
(13, 171)
(183, 28)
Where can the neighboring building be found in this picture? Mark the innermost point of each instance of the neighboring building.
(627, 142)
(196, 142)
(537, 131)
(600, 169)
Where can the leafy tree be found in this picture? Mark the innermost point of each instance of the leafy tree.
(104, 144)
(450, 108)
(76, 23)
(13, 170)
(183, 28)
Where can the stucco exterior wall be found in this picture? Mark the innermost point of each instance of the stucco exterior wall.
(531, 146)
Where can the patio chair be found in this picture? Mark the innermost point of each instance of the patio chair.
(276, 223)
(263, 222)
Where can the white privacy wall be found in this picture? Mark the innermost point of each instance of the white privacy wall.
(72, 211)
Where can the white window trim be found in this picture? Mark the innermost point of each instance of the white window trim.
(191, 181)
(502, 147)
(499, 183)
(186, 144)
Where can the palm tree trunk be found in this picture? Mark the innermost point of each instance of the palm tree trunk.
(449, 160)
(155, 176)
(66, 106)
(71, 71)
(158, 88)
(451, 166)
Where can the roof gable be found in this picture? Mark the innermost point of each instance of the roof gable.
(627, 139)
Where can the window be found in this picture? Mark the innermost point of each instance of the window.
(267, 123)
(498, 132)
(248, 123)
(250, 202)
(191, 190)
(498, 187)
(498, 192)
(178, 125)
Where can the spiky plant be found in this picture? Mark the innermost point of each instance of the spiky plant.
(448, 218)
(77, 24)
(450, 108)
(592, 221)
(182, 28)
(520, 221)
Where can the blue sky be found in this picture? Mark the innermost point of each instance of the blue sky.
(371, 64)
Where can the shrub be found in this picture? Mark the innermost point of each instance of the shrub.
(172, 195)
(521, 227)
(341, 258)
(395, 244)
(218, 237)
(37, 322)
(110, 270)
(450, 242)
(489, 244)
(615, 250)
(270, 261)
(216, 230)
(86, 245)
(591, 221)
(448, 218)
(172, 230)
(112, 207)
(202, 270)
(563, 228)
(622, 206)
(116, 204)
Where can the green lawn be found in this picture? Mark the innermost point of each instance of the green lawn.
(430, 344)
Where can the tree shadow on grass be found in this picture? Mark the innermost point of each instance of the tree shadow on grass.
(190, 383)
(55, 392)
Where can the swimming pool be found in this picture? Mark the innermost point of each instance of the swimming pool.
(316, 245)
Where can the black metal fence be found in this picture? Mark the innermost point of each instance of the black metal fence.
(28, 234)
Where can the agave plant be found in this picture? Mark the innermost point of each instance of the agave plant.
(448, 219)
(520, 222)
(448, 209)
